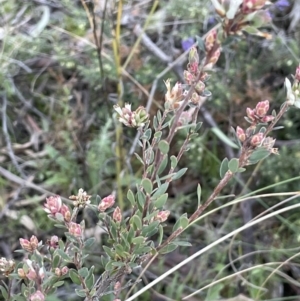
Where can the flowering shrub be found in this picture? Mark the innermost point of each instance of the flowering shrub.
(47, 265)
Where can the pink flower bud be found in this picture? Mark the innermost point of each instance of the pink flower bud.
(117, 286)
(162, 216)
(195, 99)
(250, 114)
(240, 134)
(210, 40)
(57, 272)
(64, 270)
(53, 204)
(188, 77)
(214, 58)
(31, 245)
(199, 87)
(75, 229)
(31, 275)
(106, 203)
(65, 212)
(257, 139)
(117, 215)
(37, 296)
(21, 273)
(193, 56)
(262, 108)
(267, 118)
(297, 75)
(53, 242)
(186, 117)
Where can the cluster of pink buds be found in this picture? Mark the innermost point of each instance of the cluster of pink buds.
(162, 216)
(30, 272)
(213, 49)
(7, 266)
(243, 15)
(53, 242)
(61, 272)
(174, 96)
(117, 215)
(75, 229)
(106, 203)
(29, 245)
(37, 296)
(134, 119)
(55, 208)
(259, 114)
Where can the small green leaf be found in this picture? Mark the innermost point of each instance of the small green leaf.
(139, 158)
(223, 137)
(64, 255)
(120, 250)
(141, 199)
(181, 222)
(223, 167)
(147, 134)
(163, 165)
(80, 292)
(160, 235)
(148, 230)
(55, 261)
(141, 250)
(241, 169)
(173, 161)
(168, 249)
(155, 122)
(199, 194)
(157, 135)
(138, 240)
(198, 126)
(57, 284)
(83, 272)
(4, 292)
(164, 146)
(160, 202)
(90, 280)
(158, 114)
(130, 235)
(147, 185)
(160, 190)
(259, 154)
(179, 173)
(136, 221)
(109, 252)
(131, 198)
(233, 165)
(200, 43)
(182, 243)
(74, 276)
(149, 155)
(89, 242)
(184, 221)
(206, 93)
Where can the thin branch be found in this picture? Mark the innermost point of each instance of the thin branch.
(7, 138)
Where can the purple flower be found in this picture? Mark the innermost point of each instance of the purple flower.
(187, 43)
(282, 4)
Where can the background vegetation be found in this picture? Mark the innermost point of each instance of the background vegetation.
(64, 64)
